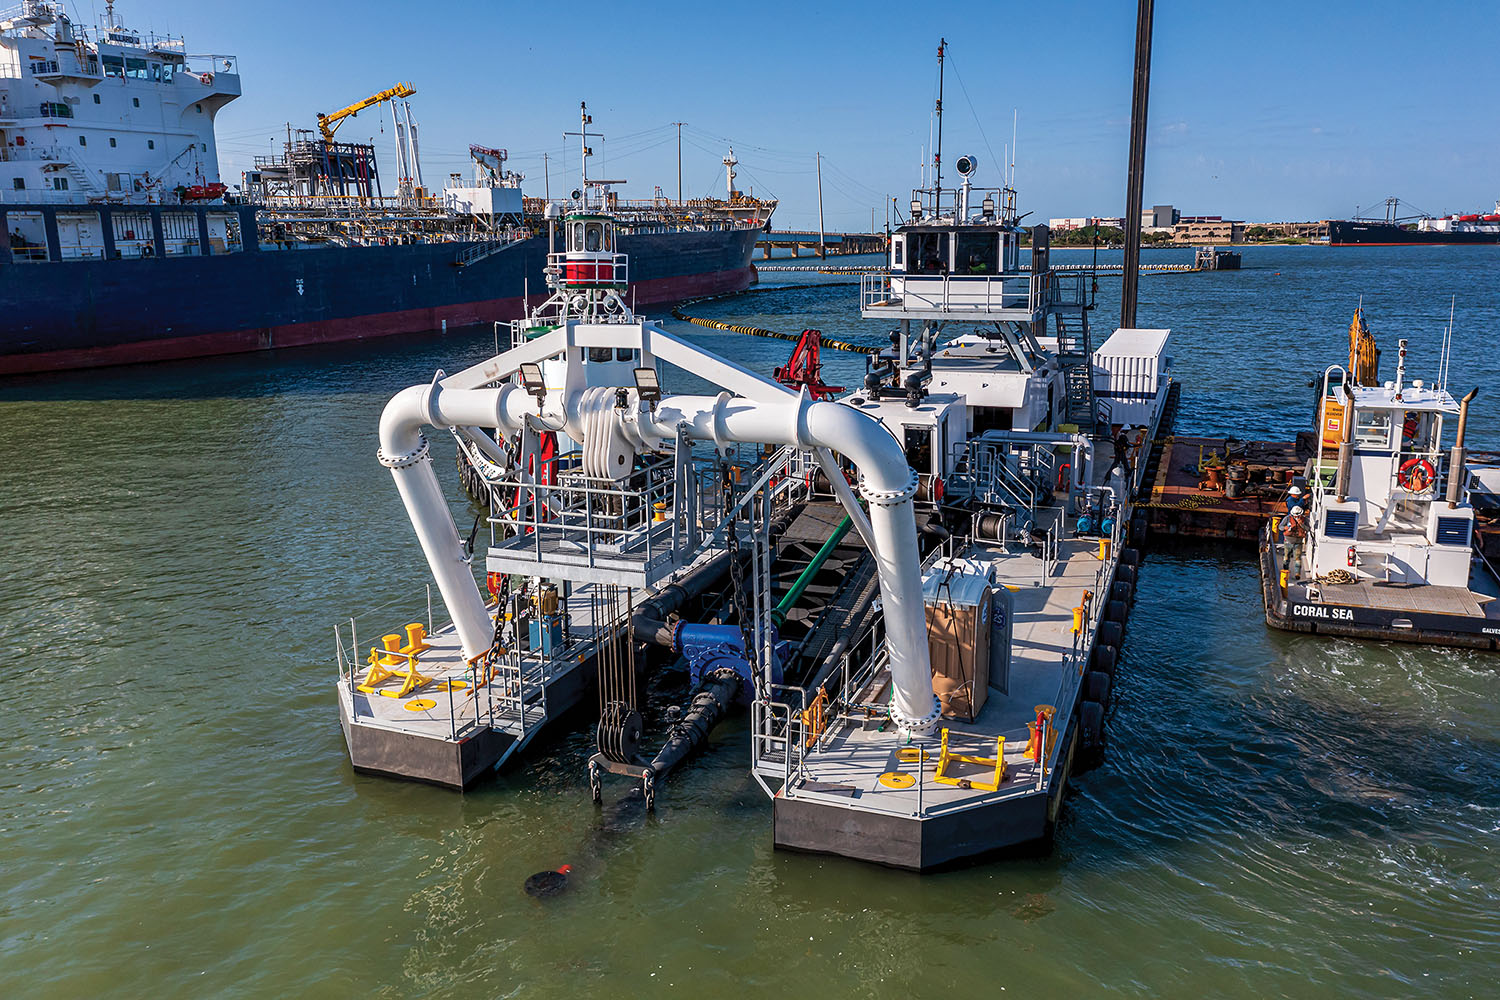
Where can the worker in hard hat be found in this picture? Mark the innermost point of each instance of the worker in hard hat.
(1293, 533)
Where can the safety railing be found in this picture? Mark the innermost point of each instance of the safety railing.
(950, 293)
(211, 64)
(600, 271)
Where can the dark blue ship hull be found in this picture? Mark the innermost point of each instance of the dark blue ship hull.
(63, 314)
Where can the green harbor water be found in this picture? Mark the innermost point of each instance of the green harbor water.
(1278, 815)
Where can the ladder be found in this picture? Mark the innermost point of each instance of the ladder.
(1075, 354)
(520, 697)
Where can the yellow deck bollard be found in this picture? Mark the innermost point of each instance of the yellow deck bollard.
(1103, 549)
(416, 639)
(392, 644)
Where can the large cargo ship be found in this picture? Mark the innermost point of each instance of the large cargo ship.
(1476, 227)
(120, 244)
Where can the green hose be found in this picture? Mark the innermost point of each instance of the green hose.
(778, 614)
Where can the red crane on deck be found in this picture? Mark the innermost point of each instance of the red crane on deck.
(804, 369)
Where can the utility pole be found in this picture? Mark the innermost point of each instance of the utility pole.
(1135, 178)
(679, 162)
(822, 252)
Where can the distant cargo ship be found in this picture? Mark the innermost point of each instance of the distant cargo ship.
(1472, 228)
(120, 244)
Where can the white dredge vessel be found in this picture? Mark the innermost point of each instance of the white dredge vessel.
(951, 710)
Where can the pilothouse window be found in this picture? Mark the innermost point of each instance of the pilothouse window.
(930, 252)
(593, 237)
(1372, 429)
(978, 253)
(918, 447)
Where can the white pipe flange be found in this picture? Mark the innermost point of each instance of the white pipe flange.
(918, 726)
(888, 498)
(721, 436)
(404, 461)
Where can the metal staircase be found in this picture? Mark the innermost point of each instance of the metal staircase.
(479, 251)
(1075, 354)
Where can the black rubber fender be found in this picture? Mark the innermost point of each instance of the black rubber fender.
(1122, 590)
(1116, 611)
(1109, 634)
(1130, 557)
(1125, 574)
(1097, 686)
(1103, 660)
(1091, 728)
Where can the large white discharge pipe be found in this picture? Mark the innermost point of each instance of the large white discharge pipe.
(886, 482)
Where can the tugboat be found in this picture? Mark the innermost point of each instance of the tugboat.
(1384, 545)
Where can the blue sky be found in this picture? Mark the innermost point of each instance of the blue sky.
(1260, 111)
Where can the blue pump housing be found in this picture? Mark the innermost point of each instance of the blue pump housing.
(710, 647)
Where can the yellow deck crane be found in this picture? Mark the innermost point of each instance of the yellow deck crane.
(329, 124)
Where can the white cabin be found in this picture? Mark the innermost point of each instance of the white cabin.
(109, 115)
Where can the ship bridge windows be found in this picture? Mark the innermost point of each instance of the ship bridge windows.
(929, 252)
(113, 65)
(137, 69)
(897, 245)
(977, 253)
(1372, 429)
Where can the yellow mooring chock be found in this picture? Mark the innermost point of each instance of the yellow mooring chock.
(946, 757)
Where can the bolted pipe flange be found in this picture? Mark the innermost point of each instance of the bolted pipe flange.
(409, 459)
(888, 498)
(917, 726)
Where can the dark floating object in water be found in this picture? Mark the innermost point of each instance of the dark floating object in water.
(544, 884)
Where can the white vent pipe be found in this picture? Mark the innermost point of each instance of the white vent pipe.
(886, 482)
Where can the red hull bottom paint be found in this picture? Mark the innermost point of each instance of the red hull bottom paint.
(662, 291)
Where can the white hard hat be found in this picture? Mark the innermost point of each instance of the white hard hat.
(1297, 509)
(1295, 491)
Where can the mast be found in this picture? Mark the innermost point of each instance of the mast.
(583, 146)
(679, 162)
(937, 156)
(1136, 176)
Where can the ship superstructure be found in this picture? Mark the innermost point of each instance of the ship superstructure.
(1381, 544)
(119, 243)
(108, 114)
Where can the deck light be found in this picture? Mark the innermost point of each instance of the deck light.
(648, 386)
(532, 381)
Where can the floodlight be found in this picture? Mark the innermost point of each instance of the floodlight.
(532, 381)
(648, 386)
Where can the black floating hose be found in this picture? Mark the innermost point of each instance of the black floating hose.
(709, 705)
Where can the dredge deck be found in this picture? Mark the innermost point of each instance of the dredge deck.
(461, 722)
(842, 799)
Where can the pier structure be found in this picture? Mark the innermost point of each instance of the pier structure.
(822, 244)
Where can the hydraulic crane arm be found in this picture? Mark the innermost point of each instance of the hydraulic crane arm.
(329, 124)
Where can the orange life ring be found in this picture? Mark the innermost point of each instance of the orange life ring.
(1416, 475)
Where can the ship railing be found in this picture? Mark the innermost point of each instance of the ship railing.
(479, 251)
(951, 293)
(211, 63)
(602, 269)
(165, 44)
